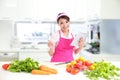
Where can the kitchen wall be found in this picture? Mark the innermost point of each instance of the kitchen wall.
(110, 26)
(110, 9)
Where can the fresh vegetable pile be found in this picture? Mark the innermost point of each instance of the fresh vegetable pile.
(94, 70)
(26, 65)
(103, 69)
(80, 64)
(30, 66)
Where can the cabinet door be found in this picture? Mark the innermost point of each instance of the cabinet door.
(5, 34)
(8, 56)
(39, 56)
(27, 9)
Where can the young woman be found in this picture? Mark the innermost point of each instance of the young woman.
(60, 48)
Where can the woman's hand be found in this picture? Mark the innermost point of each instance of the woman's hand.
(51, 48)
(80, 44)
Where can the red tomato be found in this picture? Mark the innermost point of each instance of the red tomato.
(78, 65)
(5, 66)
(68, 69)
(75, 71)
(88, 63)
(92, 67)
(83, 67)
(79, 61)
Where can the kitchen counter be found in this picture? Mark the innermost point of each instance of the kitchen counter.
(62, 74)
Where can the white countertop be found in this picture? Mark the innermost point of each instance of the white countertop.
(62, 74)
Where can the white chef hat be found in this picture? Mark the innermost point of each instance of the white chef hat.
(62, 15)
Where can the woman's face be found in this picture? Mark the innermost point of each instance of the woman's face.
(64, 24)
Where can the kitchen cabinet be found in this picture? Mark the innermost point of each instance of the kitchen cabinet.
(6, 33)
(23, 54)
(34, 54)
(8, 56)
(8, 9)
(17, 9)
(26, 9)
(39, 53)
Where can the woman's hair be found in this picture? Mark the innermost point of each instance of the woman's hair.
(62, 15)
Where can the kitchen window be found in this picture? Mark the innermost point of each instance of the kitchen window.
(28, 32)
(31, 31)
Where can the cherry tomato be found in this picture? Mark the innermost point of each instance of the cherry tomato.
(73, 62)
(83, 67)
(78, 65)
(75, 71)
(5, 66)
(68, 69)
(88, 63)
(92, 67)
(82, 58)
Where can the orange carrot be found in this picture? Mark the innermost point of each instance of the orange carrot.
(40, 72)
(48, 69)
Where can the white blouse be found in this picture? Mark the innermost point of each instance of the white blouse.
(55, 37)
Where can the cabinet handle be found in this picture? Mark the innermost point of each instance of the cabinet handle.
(5, 53)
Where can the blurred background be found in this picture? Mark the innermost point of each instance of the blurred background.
(26, 25)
